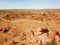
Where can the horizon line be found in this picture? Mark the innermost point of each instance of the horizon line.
(26, 8)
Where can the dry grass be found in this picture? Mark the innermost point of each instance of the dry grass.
(25, 20)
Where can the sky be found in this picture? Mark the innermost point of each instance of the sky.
(29, 4)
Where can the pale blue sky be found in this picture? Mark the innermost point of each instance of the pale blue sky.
(29, 4)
